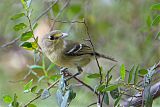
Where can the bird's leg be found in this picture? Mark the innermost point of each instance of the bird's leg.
(64, 71)
(80, 70)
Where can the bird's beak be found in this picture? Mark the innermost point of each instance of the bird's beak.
(64, 35)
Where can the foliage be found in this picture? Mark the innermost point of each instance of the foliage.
(109, 88)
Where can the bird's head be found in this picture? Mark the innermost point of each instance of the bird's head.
(54, 38)
(56, 35)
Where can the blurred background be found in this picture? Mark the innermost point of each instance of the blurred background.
(118, 28)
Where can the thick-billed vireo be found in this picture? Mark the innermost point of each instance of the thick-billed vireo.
(67, 53)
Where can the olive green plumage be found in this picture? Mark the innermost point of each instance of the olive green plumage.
(67, 53)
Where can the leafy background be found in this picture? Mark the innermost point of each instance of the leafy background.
(119, 28)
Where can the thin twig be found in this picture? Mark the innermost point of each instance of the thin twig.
(92, 104)
(59, 13)
(100, 72)
(52, 85)
(34, 22)
(86, 85)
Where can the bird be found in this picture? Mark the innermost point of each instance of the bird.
(68, 53)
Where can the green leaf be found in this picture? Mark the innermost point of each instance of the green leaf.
(41, 78)
(35, 67)
(155, 6)
(75, 8)
(15, 103)
(149, 21)
(33, 89)
(7, 99)
(143, 72)
(158, 35)
(26, 36)
(52, 65)
(27, 87)
(136, 75)
(114, 93)
(26, 45)
(35, 26)
(19, 26)
(156, 20)
(45, 94)
(32, 105)
(72, 95)
(122, 72)
(106, 99)
(117, 101)
(130, 74)
(17, 16)
(56, 9)
(110, 88)
(55, 77)
(101, 87)
(95, 75)
(24, 4)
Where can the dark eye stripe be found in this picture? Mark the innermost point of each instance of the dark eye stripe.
(53, 38)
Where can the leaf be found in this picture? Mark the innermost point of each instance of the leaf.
(45, 94)
(122, 72)
(106, 99)
(75, 8)
(158, 35)
(143, 72)
(114, 93)
(155, 6)
(26, 36)
(110, 88)
(26, 45)
(117, 101)
(35, 67)
(65, 99)
(35, 26)
(56, 9)
(130, 74)
(101, 87)
(7, 99)
(96, 75)
(52, 65)
(72, 95)
(59, 97)
(41, 78)
(24, 4)
(15, 103)
(34, 45)
(31, 105)
(55, 77)
(28, 86)
(156, 20)
(28, 3)
(136, 75)
(17, 16)
(19, 26)
(149, 22)
(33, 89)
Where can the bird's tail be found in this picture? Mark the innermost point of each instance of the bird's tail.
(106, 57)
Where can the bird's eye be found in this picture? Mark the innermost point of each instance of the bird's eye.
(53, 38)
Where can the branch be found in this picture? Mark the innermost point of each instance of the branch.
(34, 22)
(138, 101)
(52, 85)
(59, 13)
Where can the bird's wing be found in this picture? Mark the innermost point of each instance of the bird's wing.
(77, 49)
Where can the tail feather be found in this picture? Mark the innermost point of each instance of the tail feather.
(106, 57)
